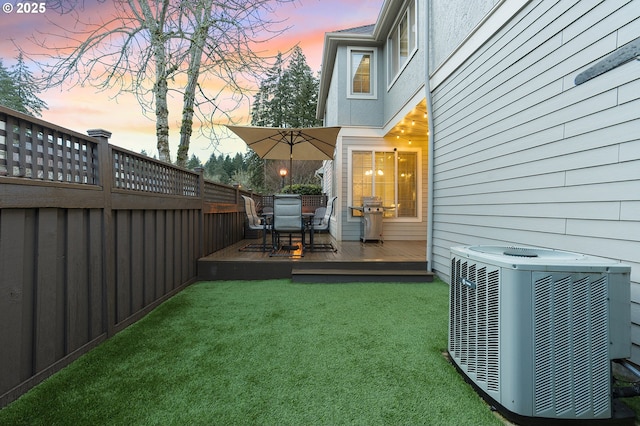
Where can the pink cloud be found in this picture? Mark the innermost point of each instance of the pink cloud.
(83, 108)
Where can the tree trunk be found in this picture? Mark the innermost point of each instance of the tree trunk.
(193, 73)
(162, 113)
(160, 88)
(188, 104)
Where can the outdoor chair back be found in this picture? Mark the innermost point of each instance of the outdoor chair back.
(318, 216)
(287, 213)
(287, 219)
(323, 224)
(255, 222)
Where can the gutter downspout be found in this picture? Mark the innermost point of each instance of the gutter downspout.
(430, 149)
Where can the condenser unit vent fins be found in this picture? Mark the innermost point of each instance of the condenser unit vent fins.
(536, 329)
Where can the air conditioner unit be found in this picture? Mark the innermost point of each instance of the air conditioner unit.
(535, 330)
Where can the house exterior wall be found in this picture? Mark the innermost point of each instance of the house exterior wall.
(349, 111)
(356, 138)
(332, 112)
(411, 79)
(450, 22)
(523, 155)
(363, 125)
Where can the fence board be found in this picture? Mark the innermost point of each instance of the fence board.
(47, 339)
(150, 293)
(76, 272)
(12, 224)
(169, 234)
(161, 282)
(92, 237)
(32, 194)
(96, 288)
(185, 245)
(60, 285)
(122, 223)
(28, 296)
(137, 265)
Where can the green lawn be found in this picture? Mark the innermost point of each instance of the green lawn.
(269, 353)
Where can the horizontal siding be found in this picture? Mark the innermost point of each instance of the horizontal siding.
(524, 156)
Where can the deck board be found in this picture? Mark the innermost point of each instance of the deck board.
(231, 263)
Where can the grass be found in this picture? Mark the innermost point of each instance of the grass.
(269, 353)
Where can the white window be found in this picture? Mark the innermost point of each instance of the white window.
(362, 76)
(390, 175)
(402, 42)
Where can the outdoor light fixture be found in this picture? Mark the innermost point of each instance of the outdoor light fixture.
(283, 174)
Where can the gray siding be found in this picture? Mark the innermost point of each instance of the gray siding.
(354, 112)
(524, 156)
(411, 78)
(450, 22)
(331, 111)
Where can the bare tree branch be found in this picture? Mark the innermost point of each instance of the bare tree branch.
(150, 47)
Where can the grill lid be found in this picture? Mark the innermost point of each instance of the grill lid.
(371, 201)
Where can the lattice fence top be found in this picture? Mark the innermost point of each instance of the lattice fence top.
(138, 173)
(32, 150)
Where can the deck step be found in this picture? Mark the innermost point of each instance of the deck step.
(343, 275)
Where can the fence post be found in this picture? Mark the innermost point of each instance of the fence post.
(201, 192)
(105, 175)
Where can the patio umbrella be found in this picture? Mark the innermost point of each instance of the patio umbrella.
(278, 143)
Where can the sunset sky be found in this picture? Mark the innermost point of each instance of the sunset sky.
(85, 108)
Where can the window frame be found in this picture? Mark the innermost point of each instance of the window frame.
(393, 42)
(372, 73)
(373, 149)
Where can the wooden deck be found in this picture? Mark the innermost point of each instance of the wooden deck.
(353, 261)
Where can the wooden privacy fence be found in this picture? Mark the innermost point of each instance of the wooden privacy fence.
(92, 237)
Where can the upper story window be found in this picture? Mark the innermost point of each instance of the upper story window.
(402, 41)
(362, 76)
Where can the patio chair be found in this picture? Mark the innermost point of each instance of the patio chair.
(322, 224)
(255, 222)
(318, 216)
(287, 218)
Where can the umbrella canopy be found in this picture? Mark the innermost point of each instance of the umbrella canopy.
(277, 143)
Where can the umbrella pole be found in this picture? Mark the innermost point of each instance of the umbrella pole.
(291, 161)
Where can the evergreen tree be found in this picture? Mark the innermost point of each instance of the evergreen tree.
(255, 169)
(241, 177)
(194, 162)
(18, 89)
(26, 89)
(286, 98)
(267, 108)
(8, 92)
(302, 88)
